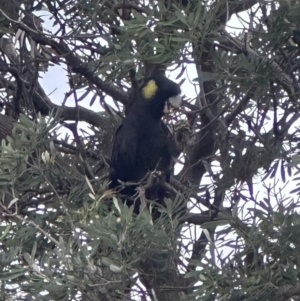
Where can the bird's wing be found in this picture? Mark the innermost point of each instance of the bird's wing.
(124, 151)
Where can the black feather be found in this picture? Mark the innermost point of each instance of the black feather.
(143, 141)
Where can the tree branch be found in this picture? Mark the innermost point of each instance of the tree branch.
(72, 60)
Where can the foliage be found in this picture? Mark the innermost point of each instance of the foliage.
(65, 236)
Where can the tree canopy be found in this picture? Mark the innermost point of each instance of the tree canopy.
(65, 236)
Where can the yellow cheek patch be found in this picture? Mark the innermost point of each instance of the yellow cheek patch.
(150, 89)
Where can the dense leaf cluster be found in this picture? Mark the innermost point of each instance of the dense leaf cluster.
(65, 236)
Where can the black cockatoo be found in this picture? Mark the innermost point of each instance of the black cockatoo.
(143, 142)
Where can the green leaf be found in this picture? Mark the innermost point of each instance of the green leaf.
(179, 39)
(5, 232)
(207, 76)
(115, 268)
(181, 17)
(14, 274)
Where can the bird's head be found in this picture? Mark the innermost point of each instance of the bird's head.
(161, 93)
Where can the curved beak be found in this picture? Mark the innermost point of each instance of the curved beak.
(172, 104)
